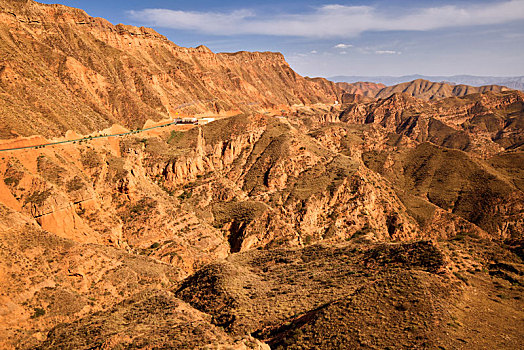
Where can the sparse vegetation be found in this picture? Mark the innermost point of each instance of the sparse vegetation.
(116, 167)
(174, 137)
(90, 158)
(385, 224)
(38, 197)
(50, 170)
(14, 173)
(143, 207)
(237, 211)
(75, 184)
(185, 195)
(38, 312)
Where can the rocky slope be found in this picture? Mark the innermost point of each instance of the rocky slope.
(47, 279)
(390, 223)
(94, 74)
(411, 143)
(182, 200)
(419, 88)
(336, 296)
(484, 124)
(362, 88)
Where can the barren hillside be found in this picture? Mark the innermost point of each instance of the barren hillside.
(288, 222)
(94, 74)
(420, 88)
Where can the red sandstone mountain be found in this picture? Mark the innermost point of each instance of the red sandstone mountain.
(389, 223)
(362, 88)
(484, 124)
(420, 88)
(94, 74)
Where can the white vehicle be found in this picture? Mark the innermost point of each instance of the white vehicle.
(188, 120)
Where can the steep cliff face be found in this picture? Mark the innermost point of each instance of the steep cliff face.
(235, 184)
(92, 195)
(255, 181)
(411, 144)
(185, 199)
(64, 70)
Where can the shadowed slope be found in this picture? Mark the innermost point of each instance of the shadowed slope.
(484, 124)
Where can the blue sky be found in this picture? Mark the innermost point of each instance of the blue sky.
(327, 38)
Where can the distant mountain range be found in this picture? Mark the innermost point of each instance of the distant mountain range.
(511, 82)
(420, 88)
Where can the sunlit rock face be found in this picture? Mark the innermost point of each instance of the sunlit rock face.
(392, 218)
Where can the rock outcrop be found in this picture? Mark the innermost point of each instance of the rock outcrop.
(484, 124)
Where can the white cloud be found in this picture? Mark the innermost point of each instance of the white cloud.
(343, 46)
(207, 22)
(387, 52)
(333, 21)
(313, 51)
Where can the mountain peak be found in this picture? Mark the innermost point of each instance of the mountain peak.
(203, 48)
